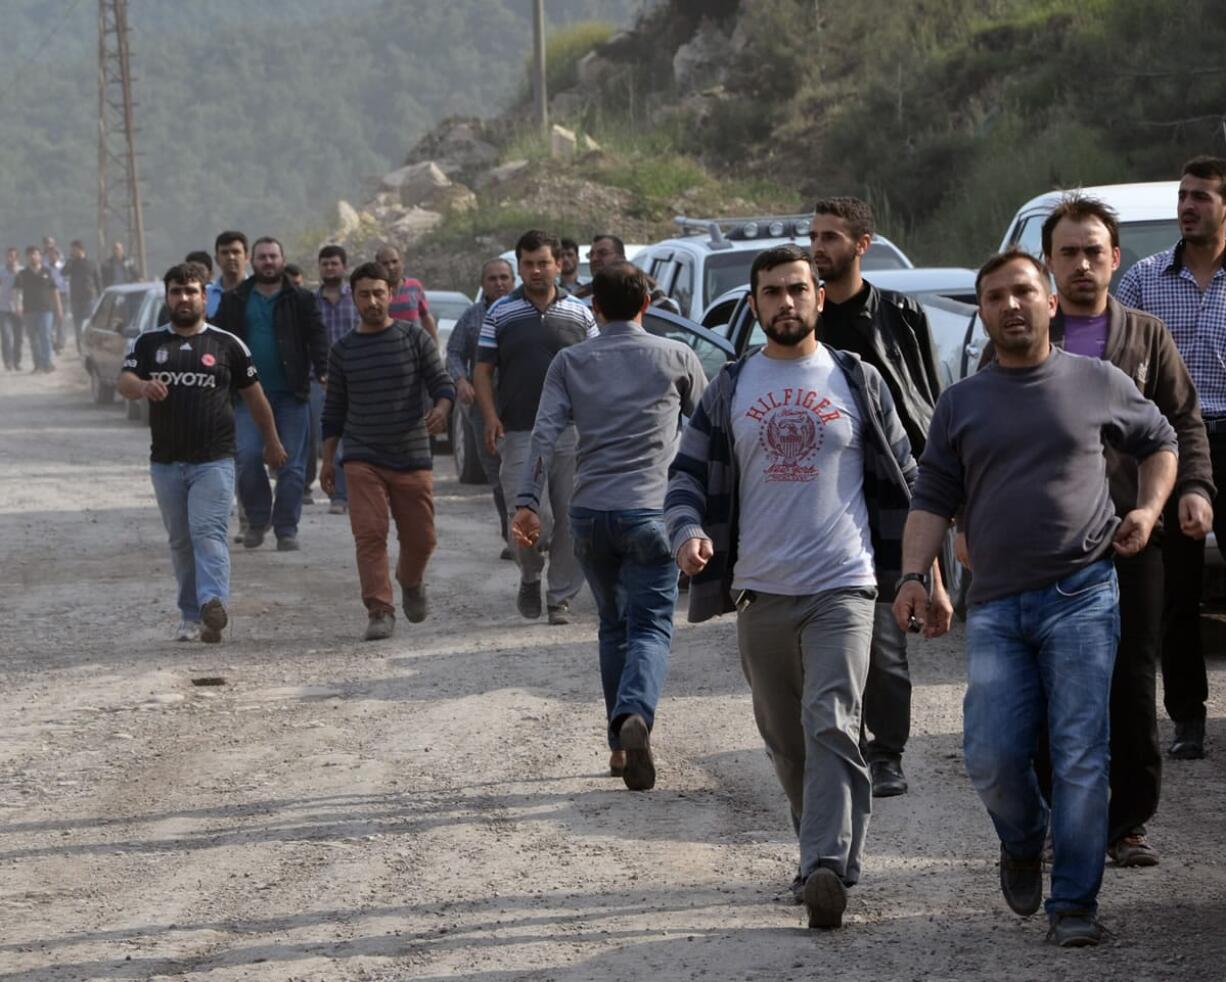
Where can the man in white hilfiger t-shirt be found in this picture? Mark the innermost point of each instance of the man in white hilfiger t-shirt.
(787, 501)
(190, 372)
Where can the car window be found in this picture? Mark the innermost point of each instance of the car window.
(102, 312)
(682, 289)
(719, 315)
(1141, 239)
(1030, 236)
(710, 355)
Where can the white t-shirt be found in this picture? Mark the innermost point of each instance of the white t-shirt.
(798, 439)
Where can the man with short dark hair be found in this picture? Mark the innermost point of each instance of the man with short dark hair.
(625, 392)
(84, 285)
(605, 248)
(280, 323)
(497, 280)
(520, 336)
(1020, 450)
(1185, 288)
(40, 305)
(191, 373)
(10, 310)
(890, 332)
(789, 494)
(568, 266)
(116, 269)
(340, 316)
(377, 376)
(230, 251)
(409, 300)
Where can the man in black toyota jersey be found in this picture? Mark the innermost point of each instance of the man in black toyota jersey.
(190, 372)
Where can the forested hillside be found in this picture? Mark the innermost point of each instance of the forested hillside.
(255, 115)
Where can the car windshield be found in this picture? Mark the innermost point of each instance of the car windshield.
(447, 308)
(1141, 239)
(710, 355)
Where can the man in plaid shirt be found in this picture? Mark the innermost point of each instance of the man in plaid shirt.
(1186, 288)
(340, 316)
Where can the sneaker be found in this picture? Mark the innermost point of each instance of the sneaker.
(559, 613)
(1021, 881)
(529, 600)
(380, 627)
(287, 543)
(213, 617)
(338, 508)
(1076, 929)
(253, 538)
(617, 763)
(640, 772)
(1133, 850)
(188, 631)
(826, 898)
(416, 606)
(1189, 742)
(888, 779)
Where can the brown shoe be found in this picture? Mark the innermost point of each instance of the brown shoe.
(213, 620)
(1133, 850)
(640, 772)
(617, 763)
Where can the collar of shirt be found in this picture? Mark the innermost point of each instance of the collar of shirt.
(345, 291)
(1176, 265)
(614, 328)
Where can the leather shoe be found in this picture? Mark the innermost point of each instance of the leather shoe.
(640, 772)
(1021, 881)
(888, 779)
(1189, 742)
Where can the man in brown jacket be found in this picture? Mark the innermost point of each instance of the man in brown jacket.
(1081, 248)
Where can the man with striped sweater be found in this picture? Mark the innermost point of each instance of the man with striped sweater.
(377, 375)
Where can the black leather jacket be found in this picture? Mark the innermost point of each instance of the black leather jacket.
(301, 339)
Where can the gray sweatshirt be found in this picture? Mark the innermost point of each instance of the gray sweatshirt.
(1023, 450)
(625, 391)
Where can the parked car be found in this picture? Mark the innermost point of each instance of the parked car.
(115, 320)
(712, 255)
(447, 306)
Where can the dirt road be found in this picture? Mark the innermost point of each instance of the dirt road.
(436, 806)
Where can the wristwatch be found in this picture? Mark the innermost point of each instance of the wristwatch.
(921, 578)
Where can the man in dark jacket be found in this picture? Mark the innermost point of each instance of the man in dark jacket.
(281, 325)
(890, 332)
(789, 492)
(1081, 245)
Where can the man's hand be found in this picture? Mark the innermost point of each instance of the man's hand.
(940, 613)
(436, 418)
(493, 433)
(274, 454)
(525, 527)
(911, 603)
(465, 391)
(153, 390)
(1195, 515)
(1134, 531)
(327, 477)
(694, 555)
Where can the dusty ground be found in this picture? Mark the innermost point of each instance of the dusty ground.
(434, 806)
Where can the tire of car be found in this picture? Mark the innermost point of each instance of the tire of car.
(102, 393)
(464, 451)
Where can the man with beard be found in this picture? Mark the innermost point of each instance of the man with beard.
(520, 336)
(1185, 287)
(568, 266)
(786, 502)
(890, 332)
(280, 323)
(1020, 449)
(378, 376)
(191, 372)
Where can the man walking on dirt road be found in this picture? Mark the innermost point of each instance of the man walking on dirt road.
(190, 372)
(625, 393)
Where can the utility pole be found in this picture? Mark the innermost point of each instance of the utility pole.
(538, 66)
(119, 205)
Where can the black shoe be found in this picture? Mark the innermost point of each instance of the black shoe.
(826, 898)
(797, 890)
(1021, 881)
(1076, 929)
(888, 779)
(506, 553)
(308, 498)
(559, 613)
(253, 538)
(529, 600)
(287, 543)
(416, 606)
(640, 773)
(213, 620)
(1189, 742)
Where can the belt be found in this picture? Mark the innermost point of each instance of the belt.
(1216, 426)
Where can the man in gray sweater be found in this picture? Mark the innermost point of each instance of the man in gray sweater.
(1020, 449)
(625, 392)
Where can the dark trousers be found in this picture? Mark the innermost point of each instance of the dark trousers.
(1184, 680)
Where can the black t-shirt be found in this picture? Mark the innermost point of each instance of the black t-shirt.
(195, 422)
(838, 326)
(37, 288)
(83, 279)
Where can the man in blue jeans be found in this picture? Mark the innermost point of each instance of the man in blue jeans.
(281, 325)
(625, 392)
(1020, 450)
(190, 372)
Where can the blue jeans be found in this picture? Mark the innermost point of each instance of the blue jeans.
(194, 500)
(628, 563)
(1045, 658)
(10, 338)
(316, 444)
(293, 419)
(38, 331)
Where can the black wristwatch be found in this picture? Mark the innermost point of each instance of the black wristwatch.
(921, 578)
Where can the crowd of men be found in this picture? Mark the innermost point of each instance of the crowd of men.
(809, 488)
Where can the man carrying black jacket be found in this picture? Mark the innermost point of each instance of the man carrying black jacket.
(890, 332)
(281, 325)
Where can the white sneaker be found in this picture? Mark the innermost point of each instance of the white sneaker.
(188, 631)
